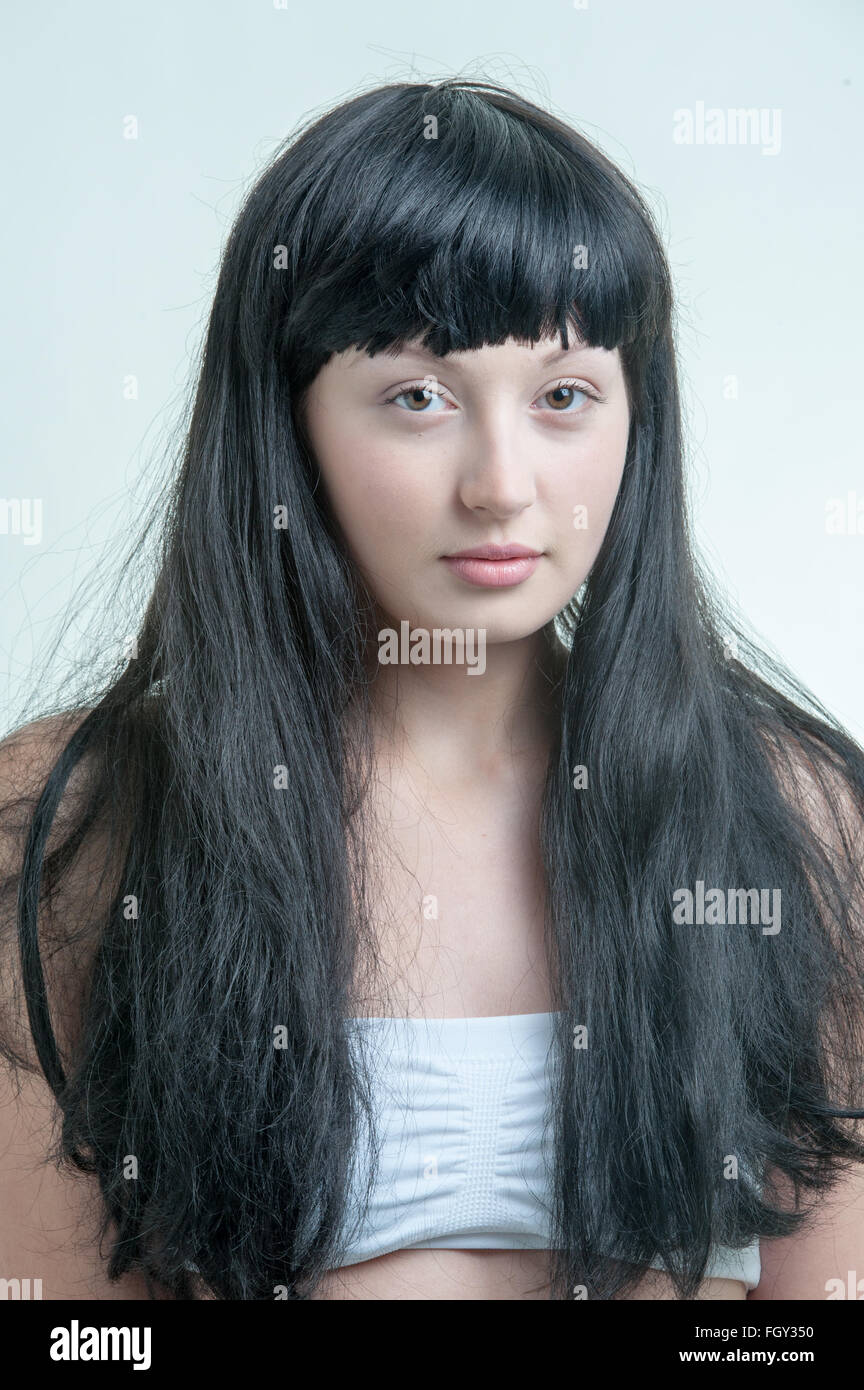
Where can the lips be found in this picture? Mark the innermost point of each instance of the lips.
(494, 566)
(494, 552)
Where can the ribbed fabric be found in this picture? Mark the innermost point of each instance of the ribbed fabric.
(461, 1107)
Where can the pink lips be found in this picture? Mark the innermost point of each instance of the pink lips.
(494, 566)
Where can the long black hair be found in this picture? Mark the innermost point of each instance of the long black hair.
(211, 1086)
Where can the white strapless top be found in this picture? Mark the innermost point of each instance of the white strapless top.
(466, 1141)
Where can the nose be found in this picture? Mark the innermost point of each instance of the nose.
(498, 475)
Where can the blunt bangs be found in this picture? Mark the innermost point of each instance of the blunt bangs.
(462, 218)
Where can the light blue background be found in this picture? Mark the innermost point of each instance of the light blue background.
(110, 248)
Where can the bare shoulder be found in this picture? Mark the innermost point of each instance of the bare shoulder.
(27, 756)
(822, 1260)
(821, 790)
(67, 915)
(52, 1213)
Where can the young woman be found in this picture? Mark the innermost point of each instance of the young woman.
(355, 971)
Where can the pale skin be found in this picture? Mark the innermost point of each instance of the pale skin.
(460, 761)
(509, 441)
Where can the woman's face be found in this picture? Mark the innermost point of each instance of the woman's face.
(424, 458)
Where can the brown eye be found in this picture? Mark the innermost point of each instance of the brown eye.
(560, 396)
(570, 398)
(419, 398)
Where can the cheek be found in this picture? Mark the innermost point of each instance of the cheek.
(585, 493)
(382, 504)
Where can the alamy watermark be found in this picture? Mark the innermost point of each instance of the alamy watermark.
(21, 516)
(729, 907)
(753, 125)
(420, 647)
(77, 1343)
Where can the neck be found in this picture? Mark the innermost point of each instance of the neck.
(463, 725)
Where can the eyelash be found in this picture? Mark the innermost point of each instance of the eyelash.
(575, 385)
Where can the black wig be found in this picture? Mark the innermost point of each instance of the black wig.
(226, 767)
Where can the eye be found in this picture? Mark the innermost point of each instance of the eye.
(561, 397)
(419, 394)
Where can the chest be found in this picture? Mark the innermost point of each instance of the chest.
(459, 898)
